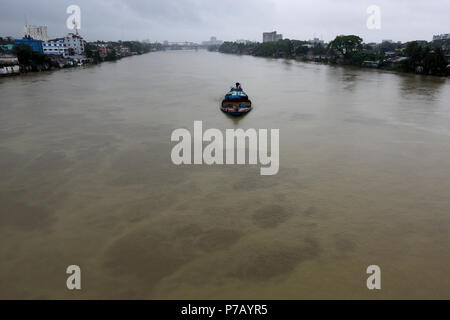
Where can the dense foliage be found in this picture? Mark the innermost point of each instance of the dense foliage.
(283, 48)
(427, 59)
(91, 52)
(111, 55)
(349, 49)
(345, 46)
(134, 47)
(28, 57)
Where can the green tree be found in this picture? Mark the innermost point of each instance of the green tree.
(319, 49)
(236, 48)
(91, 52)
(26, 56)
(345, 46)
(112, 55)
(359, 57)
(415, 54)
(284, 48)
(386, 46)
(267, 49)
(435, 62)
(23, 52)
(301, 50)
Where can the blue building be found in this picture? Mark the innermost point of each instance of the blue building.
(36, 45)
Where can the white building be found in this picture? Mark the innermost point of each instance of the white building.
(272, 36)
(36, 32)
(441, 37)
(212, 42)
(75, 43)
(9, 65)
(317, 41)
(56, 46)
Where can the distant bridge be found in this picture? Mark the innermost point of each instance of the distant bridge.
(183, 46)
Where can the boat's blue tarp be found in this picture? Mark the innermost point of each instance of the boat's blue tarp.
(235, 94)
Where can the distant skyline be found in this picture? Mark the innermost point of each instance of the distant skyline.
(198, 20)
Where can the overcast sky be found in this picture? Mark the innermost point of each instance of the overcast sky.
(197, 20)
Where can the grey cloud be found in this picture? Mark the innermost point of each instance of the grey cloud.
(196, 20)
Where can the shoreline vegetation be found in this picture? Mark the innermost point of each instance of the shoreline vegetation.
(94, 53)
(421, 57)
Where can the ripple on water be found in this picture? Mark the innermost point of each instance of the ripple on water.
(343, 244)
(250, 181)
(151, 254)
(148, 255)
(270, 216)
(263, 263)
(16, 212)
(218, 239)
(49, 161)
(9, 160)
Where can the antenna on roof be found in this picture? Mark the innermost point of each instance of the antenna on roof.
(75, 26)
(26, 25)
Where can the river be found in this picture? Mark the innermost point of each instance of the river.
(86, 179)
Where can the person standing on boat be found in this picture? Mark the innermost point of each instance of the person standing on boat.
(238, 86)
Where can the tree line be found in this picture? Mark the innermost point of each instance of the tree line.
(428, 58)
(36, 61)
(92, 49)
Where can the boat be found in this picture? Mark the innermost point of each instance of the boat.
(236, 102)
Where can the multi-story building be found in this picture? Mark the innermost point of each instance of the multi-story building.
(123, 51)
(36, 45)
(103, 52)
(35, 32)
(9, 64)
(212, 42)
(316, 41)
(422, 43)
(56, 47)
(272, 36)
(75, 43)
(441, 37)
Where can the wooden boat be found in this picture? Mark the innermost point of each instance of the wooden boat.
(236, 102)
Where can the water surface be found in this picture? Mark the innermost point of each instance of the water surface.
(86, 178)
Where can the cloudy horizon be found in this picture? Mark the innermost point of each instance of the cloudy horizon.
(198, 20)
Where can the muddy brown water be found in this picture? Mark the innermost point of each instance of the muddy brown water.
(86, 178)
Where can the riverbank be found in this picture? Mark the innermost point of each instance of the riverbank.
(418, 57)
(23, 59)
(363, 179)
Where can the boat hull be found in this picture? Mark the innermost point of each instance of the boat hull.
(236, 108)
(236, 113)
